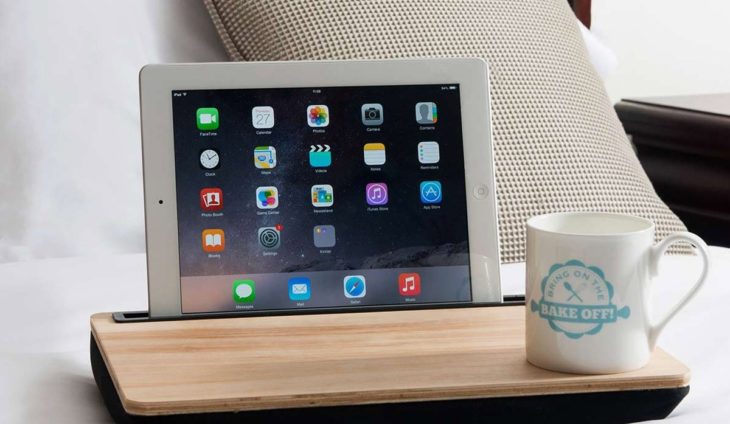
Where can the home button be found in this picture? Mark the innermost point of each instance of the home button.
(481, 191)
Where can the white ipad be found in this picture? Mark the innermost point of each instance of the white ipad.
(291, 187)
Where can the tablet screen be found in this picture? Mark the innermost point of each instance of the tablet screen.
(322, 197)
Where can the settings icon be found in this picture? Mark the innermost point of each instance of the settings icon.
(269, 237)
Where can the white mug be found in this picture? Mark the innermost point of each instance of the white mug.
(589, 290)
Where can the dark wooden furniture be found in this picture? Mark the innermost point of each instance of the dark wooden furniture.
(582, 10)
(683, 143)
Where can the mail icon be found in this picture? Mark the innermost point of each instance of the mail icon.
(299, 289)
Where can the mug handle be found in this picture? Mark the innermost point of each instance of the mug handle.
(656, 254)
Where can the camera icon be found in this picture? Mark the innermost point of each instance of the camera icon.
(372, 114)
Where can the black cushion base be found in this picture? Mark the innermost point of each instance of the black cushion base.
(603, 407)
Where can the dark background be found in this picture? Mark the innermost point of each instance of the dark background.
(404, 236)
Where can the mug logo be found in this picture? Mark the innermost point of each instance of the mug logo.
(577, 300)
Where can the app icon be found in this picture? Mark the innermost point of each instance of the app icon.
(374, 153)
(264, 157)
(211, 199)
(262, 117)
(300, 289)
(354, 286)
(244, 291)
(214, 240)
(318, 116)
(426, 113)
(428, 152)
(324, 236)
(372, 114)
(430, 192)
(320, 155)
(270, 237)
(409, 284)
(376, 194)
(207, 118)
(209, 159)
(322, 195)
(267, 197)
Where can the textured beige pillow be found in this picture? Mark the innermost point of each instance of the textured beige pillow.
(558, 143)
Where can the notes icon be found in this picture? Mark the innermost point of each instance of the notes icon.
(409, 284)
(374, 154)
(376, 194)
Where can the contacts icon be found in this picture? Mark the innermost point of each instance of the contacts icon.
(426, 113)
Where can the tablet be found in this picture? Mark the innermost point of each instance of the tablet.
(292, 187)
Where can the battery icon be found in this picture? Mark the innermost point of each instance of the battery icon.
(452, 87)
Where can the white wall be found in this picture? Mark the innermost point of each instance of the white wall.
(665, 47)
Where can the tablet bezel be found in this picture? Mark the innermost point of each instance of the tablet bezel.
(158, 81)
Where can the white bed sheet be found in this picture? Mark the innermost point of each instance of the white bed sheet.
(45, 375)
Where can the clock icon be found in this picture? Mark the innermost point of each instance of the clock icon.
(209, 159)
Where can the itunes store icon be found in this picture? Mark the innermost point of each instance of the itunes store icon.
(376, 194)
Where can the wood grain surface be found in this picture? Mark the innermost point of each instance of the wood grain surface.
(212, 365)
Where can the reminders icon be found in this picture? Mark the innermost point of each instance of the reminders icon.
(374, 154)
(428, 152)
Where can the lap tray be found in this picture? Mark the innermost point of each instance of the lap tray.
(465, 364)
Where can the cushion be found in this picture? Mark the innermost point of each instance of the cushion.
(558, 143)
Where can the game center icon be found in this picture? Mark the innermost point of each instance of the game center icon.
(267, 197)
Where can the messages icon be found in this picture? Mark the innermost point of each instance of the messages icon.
(244, 291)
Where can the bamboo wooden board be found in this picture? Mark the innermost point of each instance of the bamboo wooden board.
(237, 364)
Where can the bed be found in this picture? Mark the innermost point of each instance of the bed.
(72, 223)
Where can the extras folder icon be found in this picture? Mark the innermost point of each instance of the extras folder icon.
(214, 240)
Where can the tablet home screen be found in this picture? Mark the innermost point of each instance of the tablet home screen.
(325, 197)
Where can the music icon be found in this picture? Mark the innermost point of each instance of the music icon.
(376, 194)
(409, 284)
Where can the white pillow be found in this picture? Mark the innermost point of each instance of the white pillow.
(70, 157)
